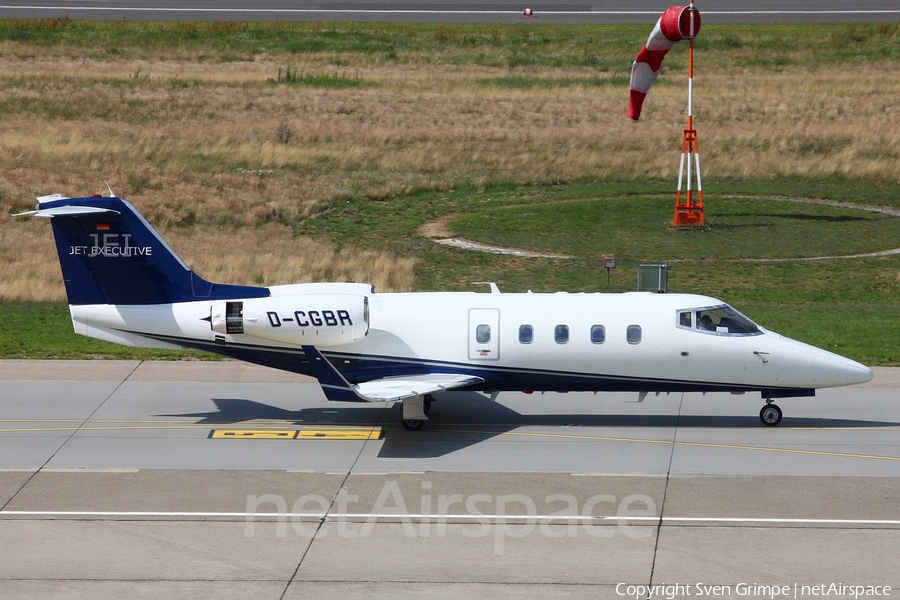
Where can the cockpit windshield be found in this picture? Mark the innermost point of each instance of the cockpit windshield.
(717, 319)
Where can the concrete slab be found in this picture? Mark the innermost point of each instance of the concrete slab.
(213, 371)
(162, 490)
(11, 481)
(787, 497)
(134, 370)
(777, 556)
(507, 553)
(147, 551)
(540, 493)
(164, 590)
(379, 590)
(66, 370)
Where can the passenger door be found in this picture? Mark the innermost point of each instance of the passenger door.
(484, 334)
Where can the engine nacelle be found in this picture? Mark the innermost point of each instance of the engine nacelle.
(314, 319)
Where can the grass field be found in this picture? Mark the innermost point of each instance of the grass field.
(279, 152)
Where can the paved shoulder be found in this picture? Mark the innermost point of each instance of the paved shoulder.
(226, 371)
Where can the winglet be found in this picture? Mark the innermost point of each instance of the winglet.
(334, 385)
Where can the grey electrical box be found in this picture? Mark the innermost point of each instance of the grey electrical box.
(653, 278)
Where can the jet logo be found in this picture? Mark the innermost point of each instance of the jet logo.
(110, 245)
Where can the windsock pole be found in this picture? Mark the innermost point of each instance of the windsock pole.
(689, 213)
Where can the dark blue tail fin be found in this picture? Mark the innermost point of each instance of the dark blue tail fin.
(110, 255)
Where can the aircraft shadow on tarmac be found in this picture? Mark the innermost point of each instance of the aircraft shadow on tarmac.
(468, 418)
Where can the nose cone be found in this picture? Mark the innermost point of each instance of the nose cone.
(804, 366)
(831, 370)
(857, 373)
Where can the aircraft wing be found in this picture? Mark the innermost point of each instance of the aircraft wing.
(388, 389)
(398, 388)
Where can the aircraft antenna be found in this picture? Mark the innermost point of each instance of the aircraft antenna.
(689, 208)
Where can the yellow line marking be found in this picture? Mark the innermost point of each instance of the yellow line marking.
(681, 443)
(244, 434)
(367, 433)
(111, 428)
(791, 451)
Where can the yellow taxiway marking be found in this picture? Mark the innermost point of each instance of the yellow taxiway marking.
(705, 445)
(366, 433)
(370, 433)
(374, 433)
(601, 438)
(259, 434)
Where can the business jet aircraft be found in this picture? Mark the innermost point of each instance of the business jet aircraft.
(125, 285)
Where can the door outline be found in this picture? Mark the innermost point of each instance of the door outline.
(491, 349)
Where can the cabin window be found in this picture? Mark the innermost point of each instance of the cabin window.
(483, 334)
(526, 334)
(634, 334)
(561, 334)
(598, 334)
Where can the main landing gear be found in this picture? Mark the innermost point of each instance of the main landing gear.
(770, 414)
(415, 411)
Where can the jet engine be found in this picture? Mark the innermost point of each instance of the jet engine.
(314, 319)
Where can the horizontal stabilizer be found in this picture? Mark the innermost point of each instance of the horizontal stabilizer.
(67, 211)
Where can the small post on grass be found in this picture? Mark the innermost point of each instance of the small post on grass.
(609, 262)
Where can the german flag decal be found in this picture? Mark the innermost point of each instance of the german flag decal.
(102, 226)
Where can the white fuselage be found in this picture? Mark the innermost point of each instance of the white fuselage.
(513, 341)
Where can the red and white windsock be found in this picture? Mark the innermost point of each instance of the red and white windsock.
(676, 24)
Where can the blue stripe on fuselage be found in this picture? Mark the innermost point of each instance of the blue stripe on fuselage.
(358, 368)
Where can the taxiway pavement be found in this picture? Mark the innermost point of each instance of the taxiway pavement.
(200, 479)
(496, 11)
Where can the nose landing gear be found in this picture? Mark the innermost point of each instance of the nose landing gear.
(770, 414)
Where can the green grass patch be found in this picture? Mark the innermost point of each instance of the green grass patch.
(744, 228)
(44, 331)
(511, 46)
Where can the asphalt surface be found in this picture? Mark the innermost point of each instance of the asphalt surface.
(557, 11)
(194, 479)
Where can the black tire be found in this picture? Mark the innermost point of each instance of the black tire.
(413, 424)
(770, 415)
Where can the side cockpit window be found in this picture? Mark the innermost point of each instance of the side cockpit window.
(717, 319)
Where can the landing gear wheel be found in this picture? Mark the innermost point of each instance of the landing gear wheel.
(413, 424)
(770, 415)
(426, 403)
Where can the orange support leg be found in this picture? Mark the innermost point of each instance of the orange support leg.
(689, 209)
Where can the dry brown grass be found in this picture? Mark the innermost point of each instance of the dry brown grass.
(189, 140)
